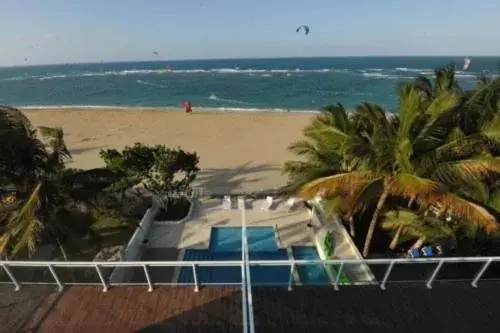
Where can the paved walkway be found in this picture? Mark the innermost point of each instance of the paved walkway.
(291, 226)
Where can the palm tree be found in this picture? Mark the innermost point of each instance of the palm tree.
(23, 156)
(321, 154)
(408, 224)
(44, 187)
(408, 156)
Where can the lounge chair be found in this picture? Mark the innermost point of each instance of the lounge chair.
(413, 253)
(241, 203)
(290, 204)
(427, 251)
(226, 202)
(266, 205)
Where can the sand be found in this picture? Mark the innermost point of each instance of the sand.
(239, 151)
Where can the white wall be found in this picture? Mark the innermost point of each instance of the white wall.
(132, 251)
(344, 247)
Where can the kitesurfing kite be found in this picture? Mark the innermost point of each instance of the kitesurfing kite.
(155, 52)
(305, 28)
(466, 64)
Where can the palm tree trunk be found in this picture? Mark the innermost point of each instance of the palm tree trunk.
(351, 226)
(373, 223)
(410, 203)
(62, 249)
(419, 243)
(59, 244)
(395, 239)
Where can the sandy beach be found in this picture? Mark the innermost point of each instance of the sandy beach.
(239, 151)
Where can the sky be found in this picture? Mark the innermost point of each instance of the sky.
(69, 31)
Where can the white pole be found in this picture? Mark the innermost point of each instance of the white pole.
(11, 277)
(53, 272)
(434, 274)
(247, 271)
(337, 278)
(481, 272)
(195, 277)
(104, 285)
(386, 276)
(146, 273)
(243, 275)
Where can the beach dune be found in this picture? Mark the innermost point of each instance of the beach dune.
(239, 151)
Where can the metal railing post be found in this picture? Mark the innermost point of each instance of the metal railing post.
(17, 286)
(481, 272)
(60, 286)
(104, 285)
(337, 278)
(386, 275)
(434, 274)
(146, 272)
(195, 277)
(290, 280)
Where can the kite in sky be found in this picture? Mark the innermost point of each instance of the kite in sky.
(305, 28)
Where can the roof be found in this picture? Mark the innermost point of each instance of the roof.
(411, 308)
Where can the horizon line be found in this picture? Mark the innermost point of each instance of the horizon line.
(243, 58)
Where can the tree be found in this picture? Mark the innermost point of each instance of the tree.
(166, 172)
(410, 225)
(36, 174)
(407, 155)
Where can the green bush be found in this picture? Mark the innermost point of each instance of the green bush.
(162, 170)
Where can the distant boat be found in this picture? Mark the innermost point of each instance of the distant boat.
(466, 64)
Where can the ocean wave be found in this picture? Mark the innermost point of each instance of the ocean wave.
(367, 72)
(50, 76)
(214, 97)
(152, 84)
(386, 76)
(416, 70)
(163, 108)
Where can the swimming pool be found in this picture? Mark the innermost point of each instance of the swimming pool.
(310, 274)
(225, 244)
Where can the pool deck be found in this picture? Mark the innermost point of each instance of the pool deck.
(195, 233)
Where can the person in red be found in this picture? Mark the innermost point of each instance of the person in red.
(188, 106)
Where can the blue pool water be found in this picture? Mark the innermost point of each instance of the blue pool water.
(225, 244)
(310, 274)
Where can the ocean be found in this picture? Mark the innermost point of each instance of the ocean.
(238, 84)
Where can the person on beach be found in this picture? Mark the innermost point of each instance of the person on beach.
(188, 106)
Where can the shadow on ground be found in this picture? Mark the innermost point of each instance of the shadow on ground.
(77, 151)
(231, 180)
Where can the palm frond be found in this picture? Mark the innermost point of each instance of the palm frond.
(23, 228)
(468, 170)
(464, 209)
(494, 200)
(417, 226)
(333, 185)
(411, 186)
(13, 118)
(55, 139)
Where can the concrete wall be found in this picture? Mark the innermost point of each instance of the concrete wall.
(133, 250)
(135, 246)
(344, 247)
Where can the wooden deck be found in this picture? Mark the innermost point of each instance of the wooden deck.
(17, 307)
(133, 309)
(446, 308)
(453, 308)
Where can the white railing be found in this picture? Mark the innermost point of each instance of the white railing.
(57, 278)
(246, 277)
